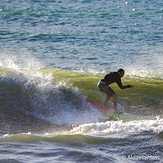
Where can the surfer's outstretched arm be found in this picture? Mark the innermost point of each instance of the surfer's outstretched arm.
(119, 82)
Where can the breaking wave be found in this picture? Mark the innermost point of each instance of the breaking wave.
(45, 98)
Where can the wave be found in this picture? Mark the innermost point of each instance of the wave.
(28, 99)
(47, 97)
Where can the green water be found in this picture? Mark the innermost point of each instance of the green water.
(144, 92)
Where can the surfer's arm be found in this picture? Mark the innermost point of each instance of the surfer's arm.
(119, 82)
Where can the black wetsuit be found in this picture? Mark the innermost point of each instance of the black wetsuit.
(113, 77)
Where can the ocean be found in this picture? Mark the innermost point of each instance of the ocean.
(52, 55)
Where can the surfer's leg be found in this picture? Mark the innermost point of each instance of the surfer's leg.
(113, 99)
(109, 95)
(104, 88)
(106, 99)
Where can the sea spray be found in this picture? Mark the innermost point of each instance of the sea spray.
(45, 98)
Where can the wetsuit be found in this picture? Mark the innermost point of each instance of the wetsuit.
(113, 77)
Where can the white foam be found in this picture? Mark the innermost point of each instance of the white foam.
(119, 128)
(25, 65)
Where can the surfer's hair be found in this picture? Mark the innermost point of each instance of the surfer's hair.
(121, 70)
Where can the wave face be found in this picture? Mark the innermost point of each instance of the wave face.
(144, 98)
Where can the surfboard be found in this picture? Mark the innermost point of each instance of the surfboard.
(100, 106)
(110, 114)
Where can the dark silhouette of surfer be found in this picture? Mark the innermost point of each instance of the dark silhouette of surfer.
(104, 86)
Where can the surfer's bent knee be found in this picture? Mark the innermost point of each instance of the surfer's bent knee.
(113, 97)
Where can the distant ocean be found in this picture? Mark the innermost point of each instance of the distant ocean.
(47, 49)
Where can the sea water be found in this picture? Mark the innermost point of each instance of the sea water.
(96, 36)
(85, 34)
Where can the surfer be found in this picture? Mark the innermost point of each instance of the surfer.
(104, 86)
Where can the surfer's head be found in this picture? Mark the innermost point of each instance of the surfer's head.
(121, 72)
